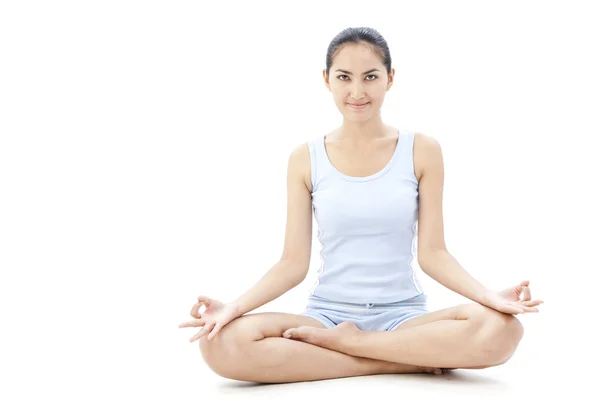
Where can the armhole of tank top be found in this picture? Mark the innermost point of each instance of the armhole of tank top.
(313, 165)
(411, 156)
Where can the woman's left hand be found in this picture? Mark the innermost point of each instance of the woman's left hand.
(509, 300)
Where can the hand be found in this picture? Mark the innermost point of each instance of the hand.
(213, 319)
(509, 300)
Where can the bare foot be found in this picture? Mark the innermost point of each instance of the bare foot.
(395, 368)
(323, 337)
(434, 371)
(346, 327)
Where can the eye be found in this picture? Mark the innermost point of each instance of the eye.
(374, 77)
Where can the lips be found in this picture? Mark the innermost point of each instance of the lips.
(356, 106)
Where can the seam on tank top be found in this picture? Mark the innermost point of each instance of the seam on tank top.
(414, 250)
(313, 165)
(412, 258)
(321, 269)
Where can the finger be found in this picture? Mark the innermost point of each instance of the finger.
(532, 303)
(204, 299)
(197, 335)
(510, 309)
(214, 331)
(513, 310)
(195, 312)
(526, 293)
(519, 290)
(519, 305)
(205, 330)
(526, 308)
(195, 323)
(530, 309)
(521, 286)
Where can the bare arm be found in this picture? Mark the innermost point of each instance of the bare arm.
(294, 263)
(434, 258)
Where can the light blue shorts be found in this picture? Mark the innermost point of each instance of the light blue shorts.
(367, 316)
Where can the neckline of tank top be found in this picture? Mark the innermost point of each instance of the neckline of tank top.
(362, 178)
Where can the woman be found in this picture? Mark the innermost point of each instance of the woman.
(368, 184)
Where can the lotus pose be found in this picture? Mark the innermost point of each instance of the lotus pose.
(370, 186)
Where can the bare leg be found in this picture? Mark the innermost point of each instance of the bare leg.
(243, 352)
(466, 336)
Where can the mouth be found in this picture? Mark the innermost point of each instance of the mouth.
(361, 105)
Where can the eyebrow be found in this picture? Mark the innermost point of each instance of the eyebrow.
(350, 73)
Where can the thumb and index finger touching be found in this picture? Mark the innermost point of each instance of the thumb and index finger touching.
(523, 288)
(202, 300)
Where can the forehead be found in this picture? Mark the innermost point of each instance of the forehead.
(354, 55)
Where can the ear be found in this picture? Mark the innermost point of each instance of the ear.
(391, 79)
(326, 80)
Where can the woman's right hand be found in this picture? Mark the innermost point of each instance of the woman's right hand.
(216, 315)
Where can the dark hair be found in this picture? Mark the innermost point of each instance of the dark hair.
(358, 35)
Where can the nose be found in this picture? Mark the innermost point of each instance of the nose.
(357, 91)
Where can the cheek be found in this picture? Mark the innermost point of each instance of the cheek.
(377, 98)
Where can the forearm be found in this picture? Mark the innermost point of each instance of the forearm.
(278, 280)
(444, 268)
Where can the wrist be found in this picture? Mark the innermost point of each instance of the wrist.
(485, 296)
(236, 307)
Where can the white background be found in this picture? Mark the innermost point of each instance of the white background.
(143, 155)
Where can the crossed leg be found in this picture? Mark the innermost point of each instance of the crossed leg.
(466, 336)
(251, 348)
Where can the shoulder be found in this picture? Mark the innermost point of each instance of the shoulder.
(427, 153)
(299, 163)
(427, 143)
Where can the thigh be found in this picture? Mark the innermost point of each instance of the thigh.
(462, 311)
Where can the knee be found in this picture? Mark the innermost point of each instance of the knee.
(217, 355)
(499, 335)
(224, 352)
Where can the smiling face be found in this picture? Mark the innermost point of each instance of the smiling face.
(358, 81)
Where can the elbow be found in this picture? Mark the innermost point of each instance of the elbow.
(295, 280)
(299, 279)
(296, 271)
(301, 275)
(430, 258)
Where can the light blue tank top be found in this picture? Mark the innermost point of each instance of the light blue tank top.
(366, 227)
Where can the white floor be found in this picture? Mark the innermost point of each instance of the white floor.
(507, 381)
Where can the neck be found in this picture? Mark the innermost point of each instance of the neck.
(361, 131)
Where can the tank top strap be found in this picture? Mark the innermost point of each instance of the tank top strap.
(319, 165)
(404, 164)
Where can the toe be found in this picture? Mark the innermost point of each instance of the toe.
(289, 333)
(305, 333)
